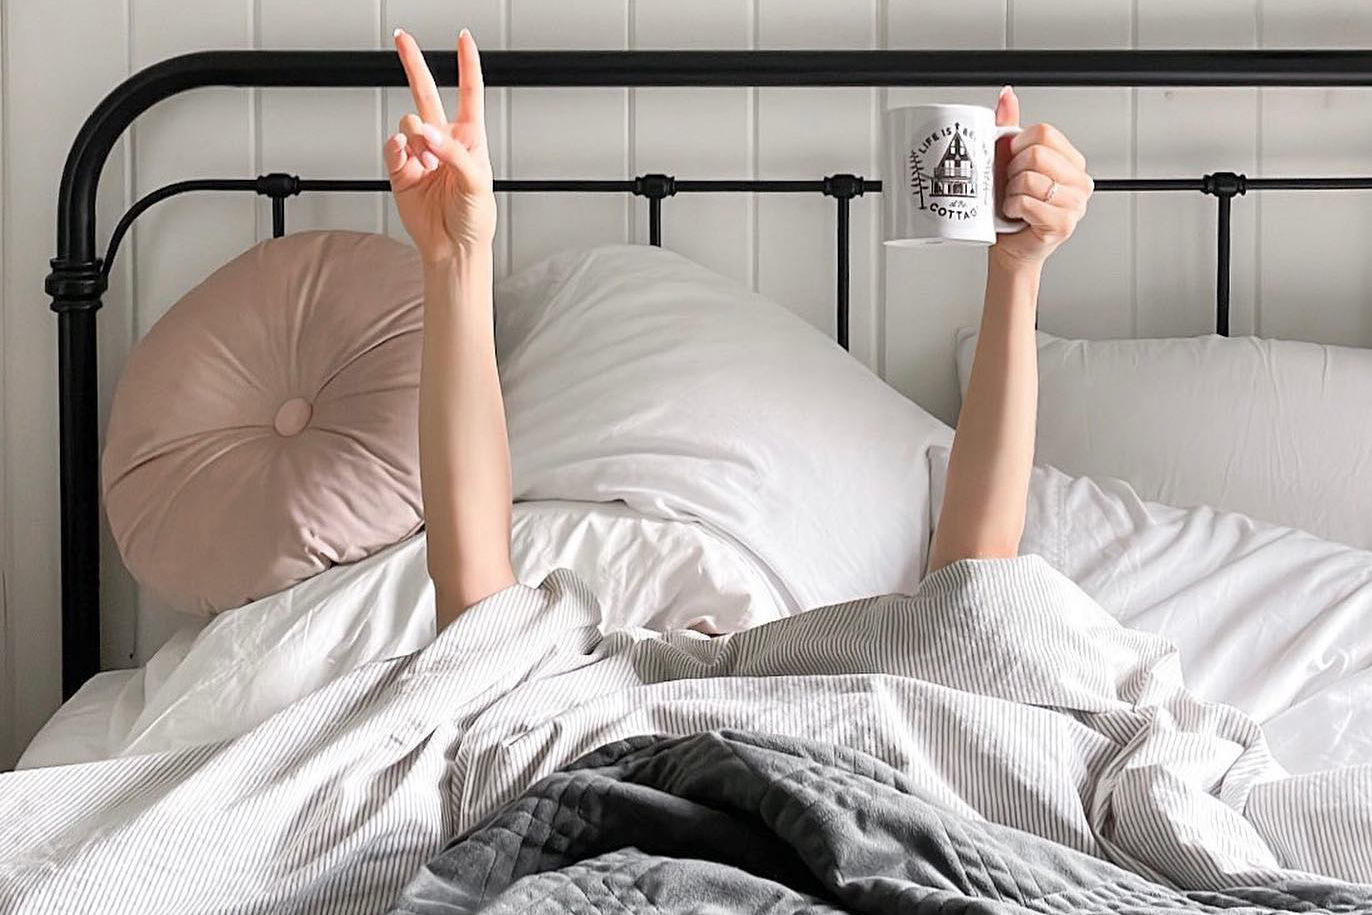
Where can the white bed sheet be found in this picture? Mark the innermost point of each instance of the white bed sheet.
(217, 680)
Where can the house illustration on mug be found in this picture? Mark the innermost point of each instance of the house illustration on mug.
(955, 175)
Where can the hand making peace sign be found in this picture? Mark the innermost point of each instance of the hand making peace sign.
(440, 170)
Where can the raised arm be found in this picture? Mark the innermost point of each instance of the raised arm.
(993, 450)
(441, 177)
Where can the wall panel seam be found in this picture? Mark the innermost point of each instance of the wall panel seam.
(7, 684)
(754, 223)
(255, 112)
(507, 134)
(379, 101)
(876, 331)
(1258, 168)
(630, 99)
(1134, 233)
(131, 182)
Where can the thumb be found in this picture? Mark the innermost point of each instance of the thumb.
(1007, 108)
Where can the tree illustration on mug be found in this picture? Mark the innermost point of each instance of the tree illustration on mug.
(920, 180)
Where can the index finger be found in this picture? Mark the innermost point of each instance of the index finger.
(422, 86)
(471, 85)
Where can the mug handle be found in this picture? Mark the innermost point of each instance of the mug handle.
(1006, 226)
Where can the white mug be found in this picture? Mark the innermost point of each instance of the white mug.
(939, 182)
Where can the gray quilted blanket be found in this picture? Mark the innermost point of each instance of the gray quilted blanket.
(740, 822)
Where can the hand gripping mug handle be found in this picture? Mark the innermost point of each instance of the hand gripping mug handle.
(1005, 226)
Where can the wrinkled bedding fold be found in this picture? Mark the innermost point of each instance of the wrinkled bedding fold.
(753, 822)
(999, 691)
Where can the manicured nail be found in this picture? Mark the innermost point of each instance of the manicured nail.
(429, 159)
(432, 134)
(465, 33)
(397, 33)
(1005, 90)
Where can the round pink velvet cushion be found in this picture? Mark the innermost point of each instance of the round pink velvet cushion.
(265, 428)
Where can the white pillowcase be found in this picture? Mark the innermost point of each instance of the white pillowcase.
(1269, 619)
(245, 665)
(631, 373)
(1275, 429)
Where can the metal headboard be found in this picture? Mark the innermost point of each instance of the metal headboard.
(80, 275)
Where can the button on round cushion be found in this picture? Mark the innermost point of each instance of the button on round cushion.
(265, 428)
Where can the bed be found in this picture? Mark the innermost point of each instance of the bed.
(752, 564)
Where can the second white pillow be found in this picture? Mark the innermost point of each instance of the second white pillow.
(1275, 429)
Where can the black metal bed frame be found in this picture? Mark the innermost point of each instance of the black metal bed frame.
(79, 276)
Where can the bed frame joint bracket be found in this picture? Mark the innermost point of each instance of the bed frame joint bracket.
(1224, 184)
(844, 186)
(75, 285)
(277, 185)
(655, 186)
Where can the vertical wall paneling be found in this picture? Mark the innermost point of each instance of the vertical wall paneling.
(931, 293)
(319, 133)
(809, 133)
(1192, 132)
(695, 133)
(1314, 276)
(582, 133)
(1088, 286)
(90, 58)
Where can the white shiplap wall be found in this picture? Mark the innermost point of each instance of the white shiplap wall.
(1139, 266)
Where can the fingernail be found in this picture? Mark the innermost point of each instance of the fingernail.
(398, 139)
(397, 33)
(465, 33)
(1005, 90)
(432, 134)
(429, 160)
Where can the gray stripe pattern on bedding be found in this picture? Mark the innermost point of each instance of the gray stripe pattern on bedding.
(759, 823)
(999, 689)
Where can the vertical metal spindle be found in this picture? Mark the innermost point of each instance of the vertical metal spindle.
(655, 221)
(842, 315)
(278, 216)
(1222, 267)
(79, 497)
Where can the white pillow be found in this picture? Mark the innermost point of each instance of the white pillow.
(633, 374)
(1269, 619)
(1275, 429)
(246, 665)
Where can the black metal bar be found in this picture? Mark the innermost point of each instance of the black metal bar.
(655, 187)
(1222, 267)
(157, 196)
(144, 89)
(1149, 184)
(262, 185)
(278, 217)
(1225, 186)
(841, 318)
(79, 498)
(655, 221)
(1308, 184)
(843, 188)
